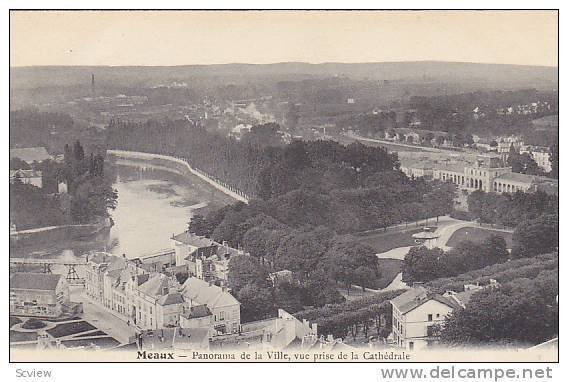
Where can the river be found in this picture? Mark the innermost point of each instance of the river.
(152, 206)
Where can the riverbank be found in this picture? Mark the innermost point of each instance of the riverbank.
(43, 235)
(177, 163)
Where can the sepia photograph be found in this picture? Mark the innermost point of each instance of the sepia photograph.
(283, 186)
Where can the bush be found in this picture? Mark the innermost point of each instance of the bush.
(461, 215)
(34, 323)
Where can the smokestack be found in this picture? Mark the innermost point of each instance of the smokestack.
(93, 83)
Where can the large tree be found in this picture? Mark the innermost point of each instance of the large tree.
(537, 236)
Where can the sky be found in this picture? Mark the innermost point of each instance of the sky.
(216, 37)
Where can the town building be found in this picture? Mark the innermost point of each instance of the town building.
(281, 332)
(283, 275)
(204, 258)
(30, 154)
(32, 177)
(462, 298)
(224, 308)
(151, 299)
(417, 169)
(541, 155)
(38, 294)
(417, 316)
(489, 174)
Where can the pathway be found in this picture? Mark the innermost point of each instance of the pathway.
(423, 148)
(446, 232)
(395, 284)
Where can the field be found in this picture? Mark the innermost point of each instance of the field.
(389, 268)
(477, 235)
(385, 241)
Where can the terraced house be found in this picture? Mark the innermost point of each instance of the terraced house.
(154, 300)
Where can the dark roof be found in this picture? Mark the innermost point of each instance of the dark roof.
(171, 299)
(465, 296)
(417, 296)
(34, 281)
(141, 279)
(198, 311)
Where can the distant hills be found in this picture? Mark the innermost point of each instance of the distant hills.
(490, 75)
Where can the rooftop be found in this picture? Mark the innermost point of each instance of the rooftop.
(25, 173)
(34, 281)
(198, 311)
(30, 154)
(171, 299)
(194, 240)
(417, 296)
(203, 292)
(516, 177)
(459, 168)
(157, 285)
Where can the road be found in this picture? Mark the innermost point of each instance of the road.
(379, 141)
(100, 317)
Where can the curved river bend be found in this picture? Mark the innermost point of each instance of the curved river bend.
(153, 204)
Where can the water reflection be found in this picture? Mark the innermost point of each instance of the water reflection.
(152, 205)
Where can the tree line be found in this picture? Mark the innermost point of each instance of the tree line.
(88, 196)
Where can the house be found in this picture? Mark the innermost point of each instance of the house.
(417, 169)
(152, 300)
(225, 308)
(30, 154)
(463, 298)
(541, 155)
(97, 264)
(198, 316)
(187, 243)
(417, 315)
(284, 275)
(32, 177)
(204, 258)
(486, 144)
(38, 294)
(149, 300)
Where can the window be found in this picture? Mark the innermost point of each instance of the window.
(411, 345)
(438, 315)
(429, 317)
